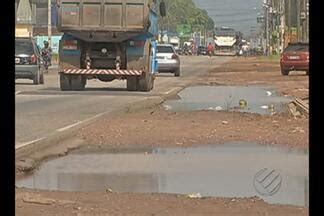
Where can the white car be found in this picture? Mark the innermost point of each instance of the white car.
(168, 59)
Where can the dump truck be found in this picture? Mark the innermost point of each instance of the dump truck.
(108, 40)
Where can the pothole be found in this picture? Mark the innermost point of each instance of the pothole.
(228, 170)
(252, 99)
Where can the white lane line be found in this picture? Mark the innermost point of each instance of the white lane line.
(80, 122)
(69, 126)
(28, 143)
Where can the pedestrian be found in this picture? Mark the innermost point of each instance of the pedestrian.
(245, 50)
(210, 50)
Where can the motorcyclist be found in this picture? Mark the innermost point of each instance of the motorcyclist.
(47, 52)
(186, 49)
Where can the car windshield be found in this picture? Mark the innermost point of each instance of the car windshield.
(297, 47)
(164, 49)
(23, 47)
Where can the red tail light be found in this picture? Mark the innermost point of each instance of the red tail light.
(174, 56)
(33, 59)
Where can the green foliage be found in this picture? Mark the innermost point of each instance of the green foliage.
(180, 12)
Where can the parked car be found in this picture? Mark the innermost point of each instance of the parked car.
(202, 50)
(168, 59)
(28, 60)
(295, 57)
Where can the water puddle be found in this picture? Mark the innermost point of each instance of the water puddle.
(252, 99)
(229, 170)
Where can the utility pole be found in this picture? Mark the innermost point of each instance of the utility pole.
(289, 20)
(298, 20)
(49, 23)
(303, 19)
(307, 20)
(282, 24)
(267, 26)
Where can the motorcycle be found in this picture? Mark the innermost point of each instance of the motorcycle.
(187, 52)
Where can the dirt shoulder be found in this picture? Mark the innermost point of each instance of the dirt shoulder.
(256, 70)
(31, 202)
(157, 128)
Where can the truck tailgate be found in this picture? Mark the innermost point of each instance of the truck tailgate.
(102, 15)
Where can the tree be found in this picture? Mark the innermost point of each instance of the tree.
(180, 12)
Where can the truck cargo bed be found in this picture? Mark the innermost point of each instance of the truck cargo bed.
(103, 15)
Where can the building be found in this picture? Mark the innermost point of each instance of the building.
(40, 16)
(25, 18)
(285, 21)
(32, 21)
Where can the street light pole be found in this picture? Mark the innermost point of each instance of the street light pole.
(49, 23)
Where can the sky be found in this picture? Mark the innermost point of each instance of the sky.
(238, 14)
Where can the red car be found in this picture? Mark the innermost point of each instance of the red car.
(295, 57)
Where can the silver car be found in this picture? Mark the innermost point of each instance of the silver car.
(168, 59)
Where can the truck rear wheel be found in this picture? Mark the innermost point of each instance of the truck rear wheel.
(65, 83)
(145, 82)
(77, 82)
(132, 83)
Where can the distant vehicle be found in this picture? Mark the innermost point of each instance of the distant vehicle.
(168, 60)
(295, 57)
(175, 41)
(202, 50)
(226, 41)
(28, 60)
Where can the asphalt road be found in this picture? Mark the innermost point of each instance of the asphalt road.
(43, 109)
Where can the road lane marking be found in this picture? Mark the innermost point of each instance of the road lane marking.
(28, 143)
(69, 126)
(80, 122)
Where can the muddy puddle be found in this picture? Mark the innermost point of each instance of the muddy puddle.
(277, 175)
(252, 99)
